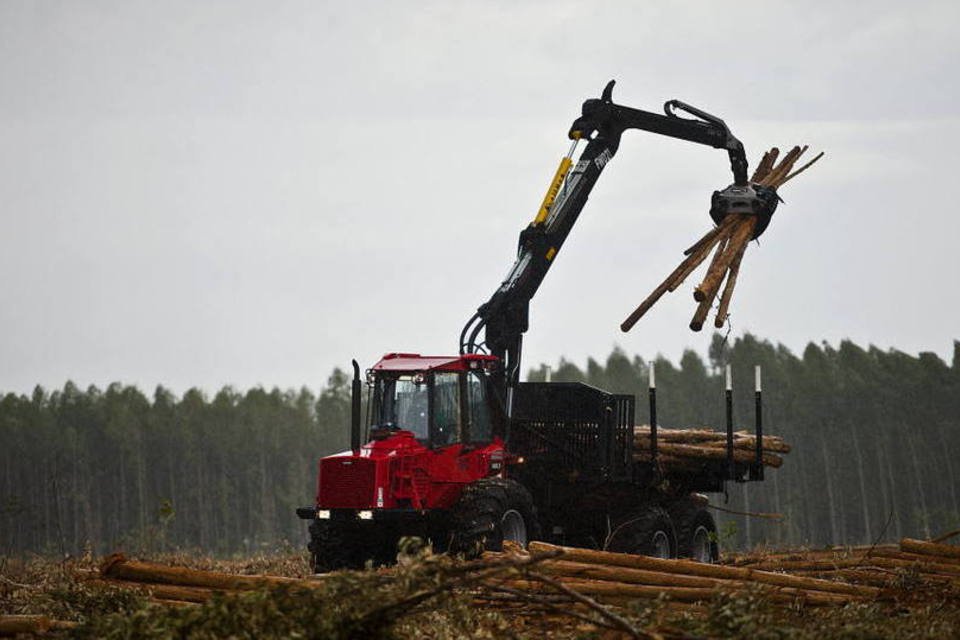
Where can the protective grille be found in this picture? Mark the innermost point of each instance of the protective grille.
(347, 483)
(573, 425)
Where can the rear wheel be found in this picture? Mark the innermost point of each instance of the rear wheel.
(649, 533)
(696, 533)
(489, 512)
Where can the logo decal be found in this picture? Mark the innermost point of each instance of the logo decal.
(602, 159)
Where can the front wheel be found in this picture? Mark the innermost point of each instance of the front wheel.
(332, 546)
(490, 512)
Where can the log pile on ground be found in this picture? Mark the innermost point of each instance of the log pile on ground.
(688, 449)
(527, 592)
(730, 239)
(905, 569)
(618, 577)
(170, 584)
(22, 625)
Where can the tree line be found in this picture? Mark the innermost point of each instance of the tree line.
(102, 469)
(875, 437)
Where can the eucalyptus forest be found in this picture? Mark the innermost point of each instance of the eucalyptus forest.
(875, 436)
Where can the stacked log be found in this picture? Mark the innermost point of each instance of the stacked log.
(13, 626)
(610, 576)
(181, 585)
(687, 449)
(878, 565)
(729, 239)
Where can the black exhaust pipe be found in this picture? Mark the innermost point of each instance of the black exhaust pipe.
(355, 410)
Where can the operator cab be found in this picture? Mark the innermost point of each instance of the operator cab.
(442, 400)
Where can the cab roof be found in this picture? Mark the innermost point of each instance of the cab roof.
(413, 362)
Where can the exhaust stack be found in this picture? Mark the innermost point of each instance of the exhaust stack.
(355, 410)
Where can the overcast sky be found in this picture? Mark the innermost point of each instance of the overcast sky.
(209, 193)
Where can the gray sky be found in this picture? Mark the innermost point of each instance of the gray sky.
(255, 192)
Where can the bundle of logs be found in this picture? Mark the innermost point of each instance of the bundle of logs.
(616, 578)
(179, 585)
(730, 238)
(927, 563)
(688, 449)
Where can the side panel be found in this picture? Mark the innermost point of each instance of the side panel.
(575, 426)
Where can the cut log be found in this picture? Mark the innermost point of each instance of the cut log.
(686, 266)
(741, 235)
(731, 235)
(167, 591)
(784, 595)
(925, 548)
(739, 442)
(715, 453)
(765, 165)
(612, 573)
(724, 309)
(853, 563)
(35, 625)
(692, 568)
(118, 567)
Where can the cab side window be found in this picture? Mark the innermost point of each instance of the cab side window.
(446, 409)
(481, 429)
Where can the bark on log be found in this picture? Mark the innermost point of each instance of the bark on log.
(699, 293)
(745, 443)
(612, 573)
(167, 591)
(714, 453)
(710, 238)
(724, 309)
(621, 589)
(692, 568)
(765, 165)
(925, 548)
(784, 595)
(36, 625)
(913, 557)
(174, 603)
(118, 567)
(853, 563)
(686, 266)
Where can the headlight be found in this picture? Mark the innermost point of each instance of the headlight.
(366, 515)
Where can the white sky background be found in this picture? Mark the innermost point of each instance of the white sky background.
(199, 194)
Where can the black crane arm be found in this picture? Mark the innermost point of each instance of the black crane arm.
(504, 318)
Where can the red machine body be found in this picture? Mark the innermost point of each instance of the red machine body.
(398, 470)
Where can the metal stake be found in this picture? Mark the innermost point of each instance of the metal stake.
(653, 412)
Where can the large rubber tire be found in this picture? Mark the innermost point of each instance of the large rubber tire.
(331, 547)
(696, 532)
(648, 533)
(490, 511)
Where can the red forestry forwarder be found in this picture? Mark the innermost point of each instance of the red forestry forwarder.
(464, 455)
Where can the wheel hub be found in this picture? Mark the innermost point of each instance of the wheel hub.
(513, 527)
(661, 545)
(701, 547)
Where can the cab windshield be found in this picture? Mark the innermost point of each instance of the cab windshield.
(458, 411)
